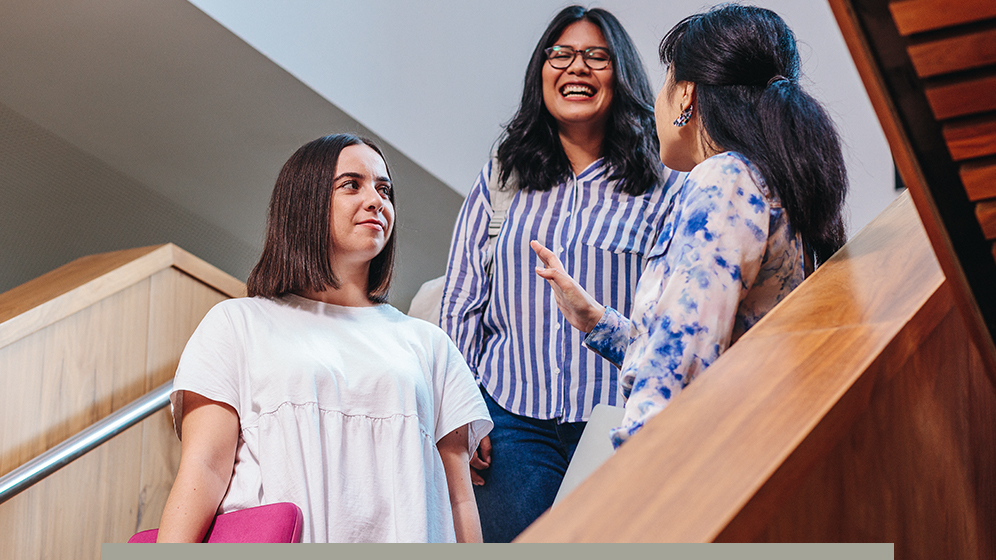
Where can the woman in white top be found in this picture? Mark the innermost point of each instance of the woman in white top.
(314, 391)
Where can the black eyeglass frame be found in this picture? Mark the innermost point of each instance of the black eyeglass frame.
(585, 56)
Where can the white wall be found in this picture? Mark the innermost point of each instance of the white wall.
(437, 79)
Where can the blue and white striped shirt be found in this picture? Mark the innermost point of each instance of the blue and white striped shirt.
(525, 354)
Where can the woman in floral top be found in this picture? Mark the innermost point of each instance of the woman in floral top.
(763, 197)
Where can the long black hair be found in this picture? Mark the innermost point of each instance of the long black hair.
(297, 253)
(531, 144)
(745, 67)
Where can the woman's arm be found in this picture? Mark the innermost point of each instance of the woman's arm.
(466, 289)
(467, 284)
(455, 455)
(207, 456)
(688, 299)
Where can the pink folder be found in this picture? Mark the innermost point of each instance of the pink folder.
(272, 523)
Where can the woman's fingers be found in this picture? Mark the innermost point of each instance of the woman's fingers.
(552, 269)
(546, 256)
(480, 459)
(578, 307)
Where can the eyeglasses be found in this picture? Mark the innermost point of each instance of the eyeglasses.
(561, 57)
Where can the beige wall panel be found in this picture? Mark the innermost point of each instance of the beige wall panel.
(63, 378)
(160, 461)
(916, 468)
(69, 514)
(75, 371)
(177, 305)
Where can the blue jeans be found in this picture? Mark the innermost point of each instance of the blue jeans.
(528, 460)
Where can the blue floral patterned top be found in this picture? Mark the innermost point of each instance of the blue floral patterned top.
(725, 256)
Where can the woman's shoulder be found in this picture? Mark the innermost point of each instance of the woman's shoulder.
(244, 305)
(402, 320)
(240, 313)
(729, 173)
(724, 163)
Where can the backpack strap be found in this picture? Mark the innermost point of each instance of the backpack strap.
(501, 195)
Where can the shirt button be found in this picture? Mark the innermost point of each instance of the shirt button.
(556, 326)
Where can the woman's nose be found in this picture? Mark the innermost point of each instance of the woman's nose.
(373, 199)
(578, 65)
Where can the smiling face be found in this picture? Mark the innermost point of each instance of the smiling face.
(578, 95)
(362, 211)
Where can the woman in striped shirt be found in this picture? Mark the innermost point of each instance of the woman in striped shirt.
(578, 169)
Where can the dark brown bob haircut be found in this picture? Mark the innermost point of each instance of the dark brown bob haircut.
(297, 254)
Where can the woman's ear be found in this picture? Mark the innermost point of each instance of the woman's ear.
(687, 94)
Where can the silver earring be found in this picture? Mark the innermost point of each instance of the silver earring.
(682, 119)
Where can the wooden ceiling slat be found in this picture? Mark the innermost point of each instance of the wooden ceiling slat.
(963, 98)
(985, 212)
(954, 54)
(972, 139)
(979, 179)
(917, 16)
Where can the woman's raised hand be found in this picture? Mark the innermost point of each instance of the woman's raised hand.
(579, 308)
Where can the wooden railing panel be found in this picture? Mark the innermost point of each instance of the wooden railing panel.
(58, 294)
(916, 468)
(718, 463)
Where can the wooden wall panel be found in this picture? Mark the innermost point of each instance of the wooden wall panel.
(963, 97)
(61, 379)
(986, 213)
(104, 331)
(980, 179)
(954, 54)
(917, 468)
(971, 139)
(176, 307)
(916, 16)
(93, 500)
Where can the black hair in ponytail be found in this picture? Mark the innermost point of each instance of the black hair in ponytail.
(745, 67)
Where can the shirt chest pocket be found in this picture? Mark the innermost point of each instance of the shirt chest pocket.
(618, 225)
(663, 242)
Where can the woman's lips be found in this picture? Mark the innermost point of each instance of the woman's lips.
(577, 90)
(373, 223)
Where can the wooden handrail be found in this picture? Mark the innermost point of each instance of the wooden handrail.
(35, 470)
(715, 464)
(55, 295)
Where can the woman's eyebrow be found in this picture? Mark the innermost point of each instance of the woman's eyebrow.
(350, 174)
(355, 175)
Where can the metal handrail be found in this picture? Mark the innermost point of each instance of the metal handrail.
(21, 478)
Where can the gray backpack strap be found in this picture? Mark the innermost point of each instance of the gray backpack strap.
(501, 199)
